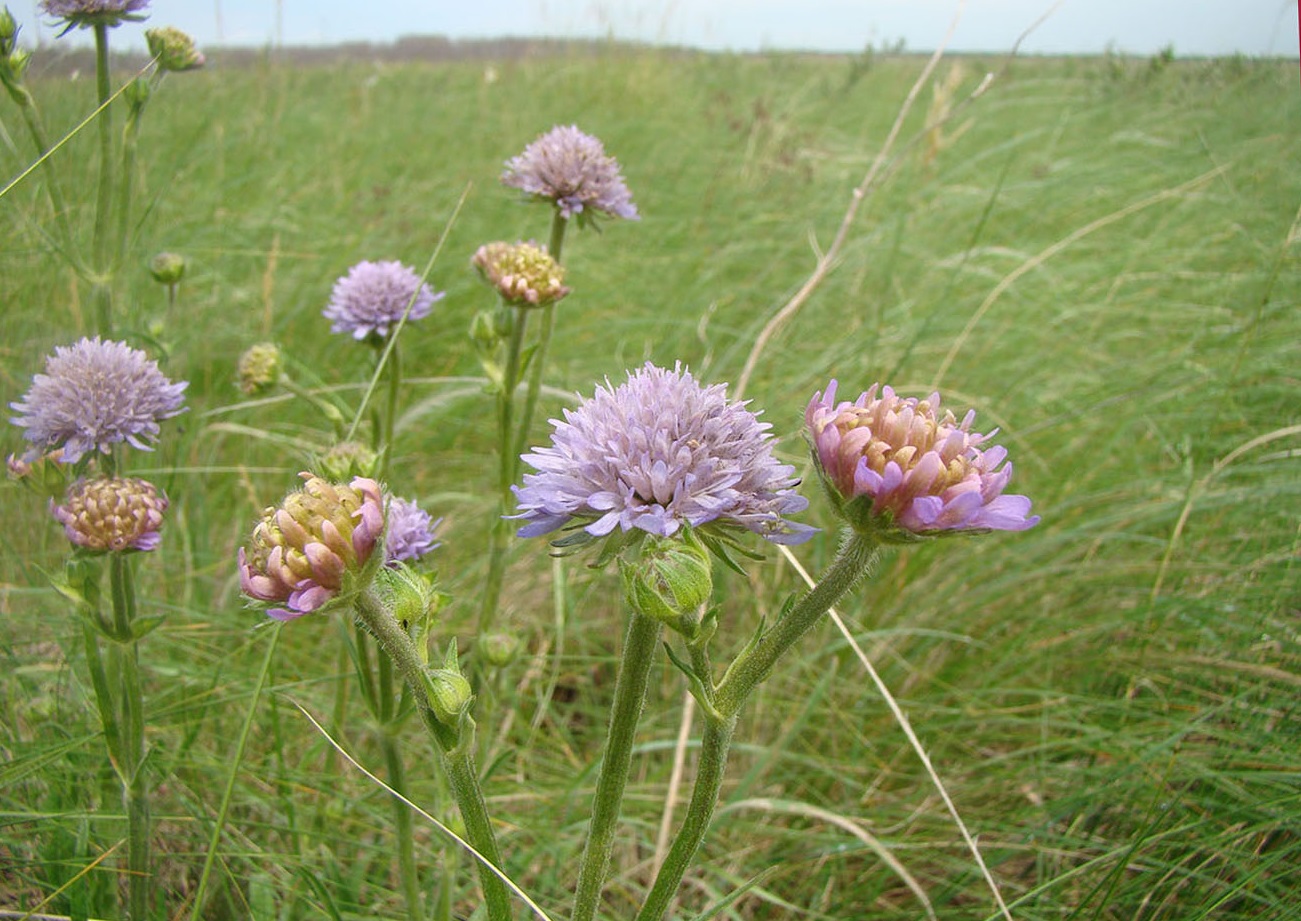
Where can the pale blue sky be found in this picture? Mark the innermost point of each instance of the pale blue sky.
(1192, 27)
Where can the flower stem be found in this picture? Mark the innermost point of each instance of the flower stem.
(394, 371)
(101, 284)
(455, 744)
(629, 695)
(135, 788)
(507, 466)
(857, 555)
(714, 745)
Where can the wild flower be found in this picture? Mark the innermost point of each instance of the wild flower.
(410, 532)
(88, 13)
(112, 514)
(368, 302)
(173, 49)
(316, 544)
(94, 394)
(524, 274)
(899, 467)
(571, 169)
(658, 453)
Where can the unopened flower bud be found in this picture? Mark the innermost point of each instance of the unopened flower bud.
(112, 514)
(167, 268)
(670, 581)
(259, 370)
(173, 48)
(499, 649)
(8, 30)
(348, 459)
(449, 695)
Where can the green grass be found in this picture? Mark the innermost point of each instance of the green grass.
(1110, 698)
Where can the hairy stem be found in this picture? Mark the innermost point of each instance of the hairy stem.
(629, 695)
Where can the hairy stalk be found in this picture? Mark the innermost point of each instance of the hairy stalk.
(714, 745)
(507, 465)
(629, 695)
(513, 434)
(455, 744)
(101, 282)
(394, 371)
(135, 789)
(857, 555)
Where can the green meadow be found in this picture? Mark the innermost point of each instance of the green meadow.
(1099, 255)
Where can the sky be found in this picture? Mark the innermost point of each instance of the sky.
(1191, 27)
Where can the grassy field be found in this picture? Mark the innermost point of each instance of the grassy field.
(1099, 255)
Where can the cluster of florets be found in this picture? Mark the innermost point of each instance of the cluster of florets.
(657, 453)
(304, 550)
(571, 170)
(370, 301)
(523, 274)
(95, 394)
(900, 466)
(112, 514)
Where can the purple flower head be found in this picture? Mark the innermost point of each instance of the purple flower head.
(114, 515)
(93, 395)
(899, 468)
(88, 13)
(571, 169)
(657, 453)
(369, 301)
(410, 533)
(314, 545)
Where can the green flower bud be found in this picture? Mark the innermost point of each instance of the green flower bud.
(167, 268)
(524, 274)
(670, 581)
(348, 459)
(259, 370)
(8, 30)
(174, 49)
(449, 695)
(499, 649)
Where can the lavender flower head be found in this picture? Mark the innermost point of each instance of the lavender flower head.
(93, 395)
(657, 453)
(369, 301)
(314, 545)
(88, 13)
(898, 467)
(410, 533)
(115, 515)
(572, 170)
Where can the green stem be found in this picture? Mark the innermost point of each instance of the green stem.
(629, 695)
(558, 224)
(714, 745)
(102, 291)
(135, 791)
(857, 555)
(130, 145)
(507, 465)
(457, 747)
(405, 830)
(394, 372)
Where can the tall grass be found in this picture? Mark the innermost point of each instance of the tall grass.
(1102, 261)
